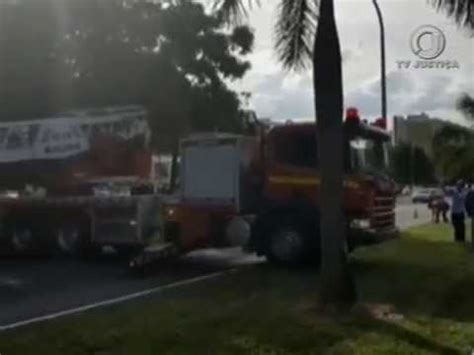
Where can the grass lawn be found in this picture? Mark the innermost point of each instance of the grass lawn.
(420, 290)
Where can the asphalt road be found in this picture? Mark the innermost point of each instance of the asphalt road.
(410, 215)
(32, 288)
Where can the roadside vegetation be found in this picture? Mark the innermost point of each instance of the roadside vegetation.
(415, 298)
(115, 52)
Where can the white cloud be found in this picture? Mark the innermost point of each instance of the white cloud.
(283, 95)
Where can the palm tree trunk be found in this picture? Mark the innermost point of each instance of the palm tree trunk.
(337, 286)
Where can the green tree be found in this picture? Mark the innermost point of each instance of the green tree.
(32, 75)
(306, 33)
(168, 55)
(453, 147)
(133, 52)
(410, 164)
(201, 56)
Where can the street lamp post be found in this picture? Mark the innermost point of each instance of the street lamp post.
(383, 73)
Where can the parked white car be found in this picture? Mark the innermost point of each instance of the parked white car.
(421, 196)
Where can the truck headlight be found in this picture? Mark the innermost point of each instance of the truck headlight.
(360, 223)
(170, 212)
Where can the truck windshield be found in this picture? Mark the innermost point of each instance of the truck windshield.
(369, 155)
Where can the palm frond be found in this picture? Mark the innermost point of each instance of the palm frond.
(462, 11)
(233, 12)
(295, 32)
(465, 104)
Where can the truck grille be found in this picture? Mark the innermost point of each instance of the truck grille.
(383, 212)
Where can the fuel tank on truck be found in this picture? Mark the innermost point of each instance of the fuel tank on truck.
(70, 148)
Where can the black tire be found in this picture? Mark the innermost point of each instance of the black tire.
(292, 240)
(22, 238)
(88, 249)
(68, 239)
(5, 245)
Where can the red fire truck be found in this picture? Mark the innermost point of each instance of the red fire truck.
(263, 192)
(75, 182)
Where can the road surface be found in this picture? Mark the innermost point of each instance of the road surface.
(31, 288)
(410, 215)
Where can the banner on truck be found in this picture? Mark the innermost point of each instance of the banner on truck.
(67, 136)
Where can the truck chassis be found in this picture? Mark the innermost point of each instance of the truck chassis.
(77, 225)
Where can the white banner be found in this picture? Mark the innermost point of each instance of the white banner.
(67, 135)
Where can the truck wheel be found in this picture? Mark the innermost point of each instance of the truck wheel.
(68, 239)
(287, 244)
(22, 239)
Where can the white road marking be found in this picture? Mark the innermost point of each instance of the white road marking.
(112, 301)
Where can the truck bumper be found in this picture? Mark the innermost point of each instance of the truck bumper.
(364, 237)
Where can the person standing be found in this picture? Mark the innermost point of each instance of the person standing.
(444, 206)
(458, 212)
(433, 206)
(470, 209)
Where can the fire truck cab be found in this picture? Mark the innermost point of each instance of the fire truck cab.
(263, 192)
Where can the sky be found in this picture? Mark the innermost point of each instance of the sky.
(283, 95)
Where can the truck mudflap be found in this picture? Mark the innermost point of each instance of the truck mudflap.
(365, 237)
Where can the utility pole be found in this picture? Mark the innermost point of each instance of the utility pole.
(383, 70)
(412, 165)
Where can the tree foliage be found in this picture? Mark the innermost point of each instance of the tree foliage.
(465, 104)
(462, 11)
(453, 147)
(168, 55)
(295, 31)
(410, 164)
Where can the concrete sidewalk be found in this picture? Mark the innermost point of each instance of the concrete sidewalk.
(412, 215)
